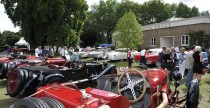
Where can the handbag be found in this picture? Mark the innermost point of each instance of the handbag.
(203, 71)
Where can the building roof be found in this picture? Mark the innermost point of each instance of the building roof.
(173, 22)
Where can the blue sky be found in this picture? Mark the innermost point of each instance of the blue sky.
(6, 24)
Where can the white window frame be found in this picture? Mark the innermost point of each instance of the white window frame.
(153, 41)
(185, 42)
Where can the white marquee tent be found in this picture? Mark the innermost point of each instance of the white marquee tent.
(22, 42)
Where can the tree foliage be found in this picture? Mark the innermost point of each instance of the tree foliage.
(199, 38)
(9, 38)
(128, 32)
(54, 22)
(205, 13)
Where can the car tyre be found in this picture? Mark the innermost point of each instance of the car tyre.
(31, 102)
(15, 82)
(3, 70)
(53, 103)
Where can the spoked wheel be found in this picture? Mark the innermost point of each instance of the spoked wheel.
(15, 82)
(132, 84)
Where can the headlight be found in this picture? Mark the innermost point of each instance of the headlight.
(104, 106)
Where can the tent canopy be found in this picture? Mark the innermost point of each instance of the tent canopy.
(22, 42)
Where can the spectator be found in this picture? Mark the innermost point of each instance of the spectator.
(74, 56)
(38, 51)
(143, 56)
(181, 58)
(173, 62)
(167, 59)
(197, 66)
(64, 52)
(129, 59)
(51, 52)
(189, 65)
(160, 58)
(45, 52)
(9, 50)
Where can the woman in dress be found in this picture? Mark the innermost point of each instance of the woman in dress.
(181, 59)
(197, 67)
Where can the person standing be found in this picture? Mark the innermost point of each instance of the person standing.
(168, 59)
(143, 56)
(64, 52)
(129, 58)
(45, 51)
(160, 58)
(189, 65)
(38, 51)
(173, 62)
(51, 52)
(181, 59)
(197, 66)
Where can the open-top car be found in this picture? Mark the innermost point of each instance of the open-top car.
(131, 89)
(25, 79)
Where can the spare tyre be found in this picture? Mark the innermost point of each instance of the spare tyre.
(15, 82)
(53, 103)
(3, 70)
(31, 102)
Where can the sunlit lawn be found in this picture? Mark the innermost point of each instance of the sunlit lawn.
(6, 101)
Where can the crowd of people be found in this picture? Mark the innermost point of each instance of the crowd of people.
(188, 60)
(48, 51)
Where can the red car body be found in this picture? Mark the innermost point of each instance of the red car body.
(151, 56)
(72, 97)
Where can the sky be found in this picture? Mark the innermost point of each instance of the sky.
(6, 24)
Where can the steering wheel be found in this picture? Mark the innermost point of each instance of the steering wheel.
(127, 84)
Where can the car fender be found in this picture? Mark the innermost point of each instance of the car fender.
(49, 77)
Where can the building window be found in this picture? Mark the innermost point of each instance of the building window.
(185, 40)
(153, 41)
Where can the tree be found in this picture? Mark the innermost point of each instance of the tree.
(199, 38)
(194, 12)
(43, 22)
(183, 11)
(154, 11)
(128, 32)
(205, 13)
(9, 38)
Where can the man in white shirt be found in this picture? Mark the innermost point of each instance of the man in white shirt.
(189, 65)
(64, 52)
(38, 51)
(143, 54)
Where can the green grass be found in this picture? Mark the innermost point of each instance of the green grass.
(6, 101)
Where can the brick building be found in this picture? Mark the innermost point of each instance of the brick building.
(173, 32)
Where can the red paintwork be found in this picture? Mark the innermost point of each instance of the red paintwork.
(4, 59)
(149, 57)
(72, 98)
(156, 77)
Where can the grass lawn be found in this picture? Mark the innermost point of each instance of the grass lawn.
(6, 101)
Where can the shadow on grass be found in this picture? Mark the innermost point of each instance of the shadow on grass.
(3, 83)
(5, 103)
(207, 82)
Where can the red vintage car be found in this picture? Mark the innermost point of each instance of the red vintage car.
(132, 89)
(151, 57)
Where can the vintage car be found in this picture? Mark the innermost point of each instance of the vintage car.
(24, 80)
(11, 63)
(99, 52)
(151, 57)
(119, 55)
(132, 89)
